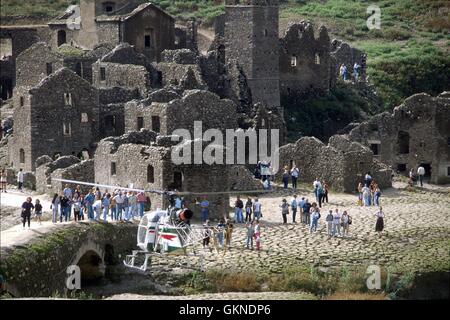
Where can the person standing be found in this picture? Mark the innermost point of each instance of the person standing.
(3, 180)
(360, 194)
(366, 196)
(356, 71)
(113, 208)
(27, 206)
(325, 192)
(343, 72)
(221, 226)
(119, 205)
(376, 196)
(257, 235)
(315, 216)
(20, 180)
(89, 202)
(257, 210)
(141, 199)
(337, 223)
(294, 176)
(132, 201)
(106, 202)
(345, 222)
(329, 219)
(238, 206)
(294, 206)
(228, 233)
(319, 196)
(126, 206)
(248, 210)
(64, 204)
(69, 195)
(306, 212)
(38, 211)
(284, 210)
(97, 208)
(379, 226)
(300, 206)
(285, 179)
(250, 233)
(367, 179)
(204, 210)
(421, 174)
(55, 207)
(76, 203)
(206, 234)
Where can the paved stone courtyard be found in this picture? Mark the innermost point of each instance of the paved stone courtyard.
(416, 236)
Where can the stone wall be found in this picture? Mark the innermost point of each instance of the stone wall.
(342, 164)
(304, 61)
(343, 53)
(45, 166)
(416, 133)
(83, 171)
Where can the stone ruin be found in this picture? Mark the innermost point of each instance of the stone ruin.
(83, 94)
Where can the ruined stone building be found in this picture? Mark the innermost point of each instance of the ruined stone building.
(181, 113)
(137, 22)
(341, 163)
(305, 61)
(416, 133)
(143, 160)
(58, 116)
(14, 40)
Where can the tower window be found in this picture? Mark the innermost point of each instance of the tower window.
(375, 149)
(22, 156)
(294, 61)
(49, 66)
(84, 117)
(140, 123)
(68, 99)
(22, 101)
(113, 169)
(148, 41)
(102, 74)
(265, 32)
(67, 129)
(108, 7)
(156, 124)
(150, 174)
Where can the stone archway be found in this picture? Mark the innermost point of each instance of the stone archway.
(90, 258)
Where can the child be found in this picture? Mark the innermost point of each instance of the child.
(82, 207)
(98, 208)
(248, 210)
(38, 211)
(257, 235)
(55, 207)
(229, 233)
(206, 234)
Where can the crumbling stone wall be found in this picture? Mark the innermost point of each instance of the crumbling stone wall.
(416, 133)
(341, 163)
(45, 166)
(195, 105)
(304, 61)
(83, 171)
(121, 75)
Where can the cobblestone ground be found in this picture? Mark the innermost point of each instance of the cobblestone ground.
(416, 236)
(222, 296)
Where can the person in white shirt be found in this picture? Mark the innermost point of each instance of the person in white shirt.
(336, 223)
(97, 208)
(119, 205)
(20, 180)
(421, 174)
(294, 175)
(256, 210)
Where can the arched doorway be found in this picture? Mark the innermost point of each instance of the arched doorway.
(62, 38)
(91, 267)
(6, 88)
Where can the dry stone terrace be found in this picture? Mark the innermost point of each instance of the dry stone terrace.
(416, 236)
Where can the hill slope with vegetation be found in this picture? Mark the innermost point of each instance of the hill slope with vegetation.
(408, 55)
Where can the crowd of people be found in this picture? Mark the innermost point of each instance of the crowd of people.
(369, 193)
(93, 205)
